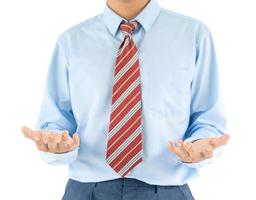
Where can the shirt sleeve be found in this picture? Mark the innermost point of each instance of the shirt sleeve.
(56, 110)
(207, 114)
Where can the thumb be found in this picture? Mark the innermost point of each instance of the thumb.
(171, 146)
(76, 140)
(27, 132)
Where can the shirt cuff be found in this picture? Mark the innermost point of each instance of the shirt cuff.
(60, 158)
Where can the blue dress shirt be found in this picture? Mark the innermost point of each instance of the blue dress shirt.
(180, 92)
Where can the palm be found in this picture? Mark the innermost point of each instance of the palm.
(199, 150)
(50, 141)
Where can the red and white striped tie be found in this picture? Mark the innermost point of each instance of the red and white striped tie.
(124, 146)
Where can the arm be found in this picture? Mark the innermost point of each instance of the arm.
(207, 117)
(204, 139)
(56, 110)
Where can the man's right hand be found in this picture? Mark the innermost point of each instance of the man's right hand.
(50, 141)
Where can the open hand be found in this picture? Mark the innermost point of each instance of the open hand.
(50, 141)
(198, 150)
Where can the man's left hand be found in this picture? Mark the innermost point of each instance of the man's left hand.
(191, 152)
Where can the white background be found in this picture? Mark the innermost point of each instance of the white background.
(28, 31)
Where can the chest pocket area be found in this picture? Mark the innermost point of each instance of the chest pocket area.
(169, 91)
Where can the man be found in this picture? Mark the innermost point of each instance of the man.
(122, 87)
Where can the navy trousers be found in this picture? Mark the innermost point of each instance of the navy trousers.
(124, 189)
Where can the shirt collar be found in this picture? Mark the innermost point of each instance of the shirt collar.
(146, 17)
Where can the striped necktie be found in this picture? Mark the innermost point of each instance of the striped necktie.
(124, 146)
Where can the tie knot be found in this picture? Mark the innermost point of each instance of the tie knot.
(128, 27)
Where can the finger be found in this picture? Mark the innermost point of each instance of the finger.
(54, 136)
(52, 144)
(188, 146)
(76, 141)
(45, 138)
(176, 149)
(179, 143)
(207, 152)
(65, 147)
(27, 132)
(65, 135)
(181, 152)
(219, 141)
(65, 141)
(37, 139)
(172, 148)
(187, 155)
(39, 143)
